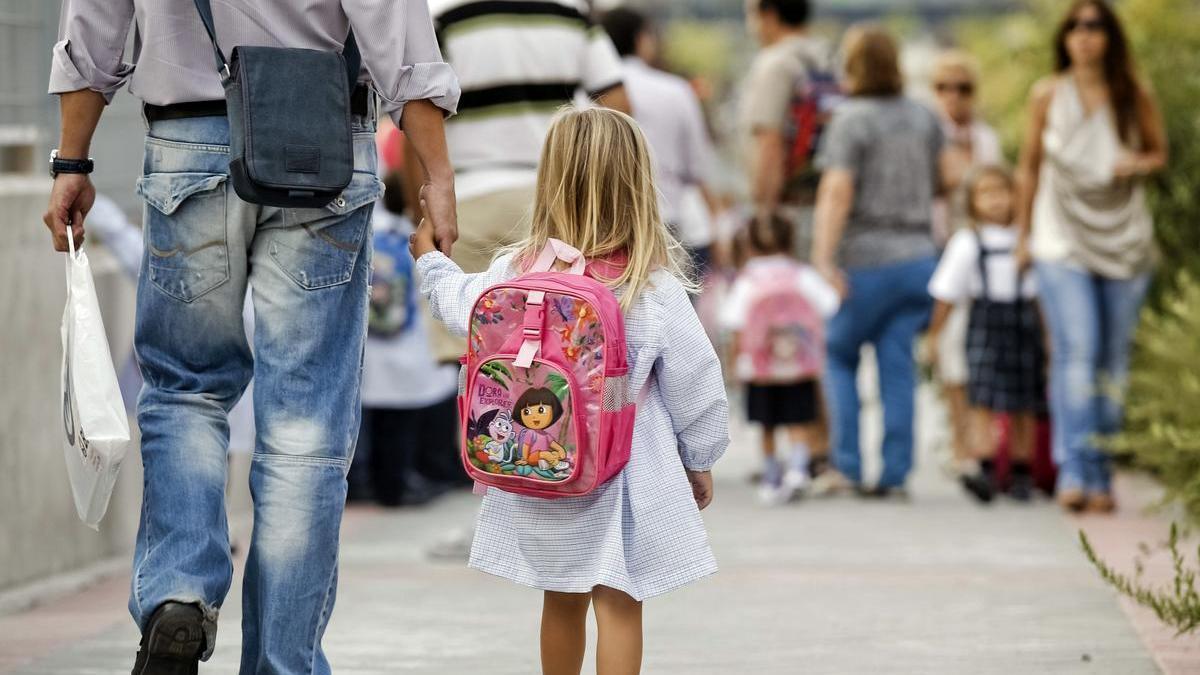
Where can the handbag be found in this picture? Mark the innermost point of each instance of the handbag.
(290, 141)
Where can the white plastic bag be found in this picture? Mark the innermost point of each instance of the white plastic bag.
(96, 430)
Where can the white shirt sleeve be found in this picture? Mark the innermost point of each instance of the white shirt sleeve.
(819, 293)
(697, 146)
(451, 292)
(691, 382)
(958, 268)
(732, 316)
(601, 68)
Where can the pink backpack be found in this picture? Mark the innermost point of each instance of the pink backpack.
(783, 340)
(543, 405)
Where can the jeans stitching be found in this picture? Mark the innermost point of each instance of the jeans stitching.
(138, 573)
(300, 459)
(221, 194)
(191, 147)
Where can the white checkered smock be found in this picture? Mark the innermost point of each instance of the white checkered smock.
(641, 532)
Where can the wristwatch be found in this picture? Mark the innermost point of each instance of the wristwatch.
(59, 165)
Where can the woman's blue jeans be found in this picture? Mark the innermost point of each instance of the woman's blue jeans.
(886, 307)
(1091, 320)
(309, 270)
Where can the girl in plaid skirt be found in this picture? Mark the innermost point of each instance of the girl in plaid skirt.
(1006, 358)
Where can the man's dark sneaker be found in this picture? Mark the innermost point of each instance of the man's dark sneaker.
(979, 485)
(173, 641)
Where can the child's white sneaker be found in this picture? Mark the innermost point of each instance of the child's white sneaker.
(772, 495)
(771, 491)
(795, 482)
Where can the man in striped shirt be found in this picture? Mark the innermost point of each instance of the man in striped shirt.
(518, 62)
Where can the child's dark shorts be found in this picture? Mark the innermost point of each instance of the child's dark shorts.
(776, 405)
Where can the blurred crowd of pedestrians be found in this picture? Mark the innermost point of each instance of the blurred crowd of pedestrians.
(867, 218)
(897, 217)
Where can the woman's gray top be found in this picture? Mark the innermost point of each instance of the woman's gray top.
(891, 145)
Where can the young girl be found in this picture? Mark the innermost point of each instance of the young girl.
(1006, 358)
(790, 334)
(640, 534)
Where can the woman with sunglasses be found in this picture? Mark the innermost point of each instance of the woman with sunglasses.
(970, 142)
(1094, 134)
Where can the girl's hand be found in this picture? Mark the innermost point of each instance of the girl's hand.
(422, 241)
(702, 487)
(929, 350)
(1021, 254)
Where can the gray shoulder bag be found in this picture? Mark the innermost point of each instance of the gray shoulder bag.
(290, 143)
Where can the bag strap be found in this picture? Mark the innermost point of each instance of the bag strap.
(534, 322)
(349, 48)
(556, 250)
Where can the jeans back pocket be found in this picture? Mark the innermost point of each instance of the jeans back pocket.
(317, 248)
(185, 232)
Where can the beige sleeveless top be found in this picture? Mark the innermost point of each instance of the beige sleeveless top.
(1081, 214)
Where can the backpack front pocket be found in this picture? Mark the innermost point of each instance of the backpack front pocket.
(521, 423)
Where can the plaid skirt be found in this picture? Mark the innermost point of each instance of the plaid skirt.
(1006, 357)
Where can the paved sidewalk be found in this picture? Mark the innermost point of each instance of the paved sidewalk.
(935, 585)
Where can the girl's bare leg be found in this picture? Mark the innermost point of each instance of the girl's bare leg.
(619, 624)
(768, 442)
(983, 438)
(564, 632)
(1022, 430)
(957, 407)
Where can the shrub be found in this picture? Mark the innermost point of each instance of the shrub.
(1178, 605)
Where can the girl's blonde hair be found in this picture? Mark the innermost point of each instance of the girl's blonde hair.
(595, 191)
(974, 177)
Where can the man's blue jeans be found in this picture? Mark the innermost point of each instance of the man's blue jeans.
(887, 307)
(1091, 320)
(308, 269)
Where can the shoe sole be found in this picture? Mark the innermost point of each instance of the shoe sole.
(175, 643)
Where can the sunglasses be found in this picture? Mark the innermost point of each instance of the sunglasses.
(1086, 25)
(960, 88)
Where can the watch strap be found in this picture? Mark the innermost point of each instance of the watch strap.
(60, 165)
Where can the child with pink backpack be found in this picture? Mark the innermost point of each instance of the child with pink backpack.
(593, 404)
(776, 310)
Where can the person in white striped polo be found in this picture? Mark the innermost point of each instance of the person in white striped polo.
(518, 62)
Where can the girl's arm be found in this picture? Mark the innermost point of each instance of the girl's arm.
(451, 293)
(691, 382)
(1030, 162)
(941, 310)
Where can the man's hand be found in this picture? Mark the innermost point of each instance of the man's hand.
(437, 203)
(70, 200)
(425, 133)
(422, 241)
(834, 276)
(702, 487)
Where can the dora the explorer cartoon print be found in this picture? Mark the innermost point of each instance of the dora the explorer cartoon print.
(521, 438)
(535, 411)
